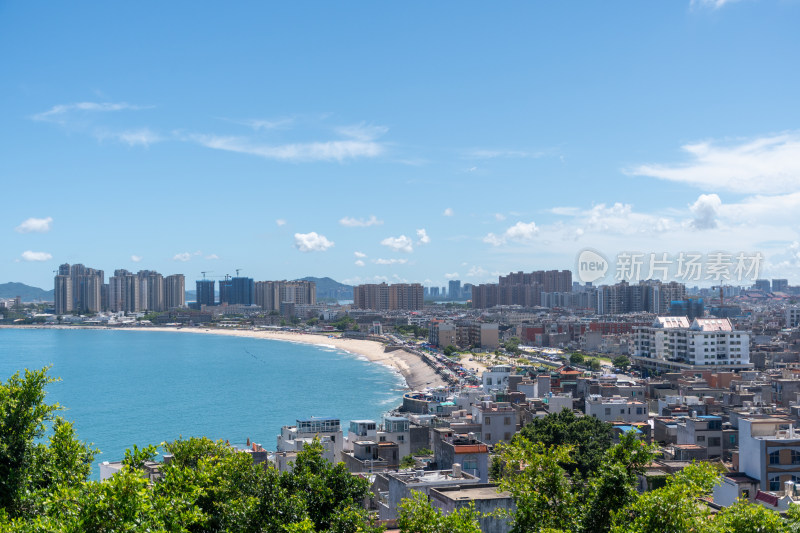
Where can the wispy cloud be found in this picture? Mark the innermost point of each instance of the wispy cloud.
(311, 242)
(260, 124)
(280, 222)
(360, 255)
(448, 212)
(136, 258)
(483, 153)
(340, 150)
(766, 165)
(399, 244)
(183, 256)
(35, 225)
(713, 4)
(139, 137)
(390, 261)
(36, 256)
(212, 257)
(57, 112)
(359, 263)
(452, 275)
(351, 222)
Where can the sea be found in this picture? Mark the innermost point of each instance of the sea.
(139, 387)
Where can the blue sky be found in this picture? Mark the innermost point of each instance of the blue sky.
(395, 141)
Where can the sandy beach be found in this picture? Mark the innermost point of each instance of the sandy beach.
(416, 373)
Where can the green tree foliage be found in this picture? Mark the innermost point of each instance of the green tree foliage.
(450, 350)
(621, 361)
(576, 358)
(589, 437)
(418, 516)
(512, 345)
(595, 364)
(408, 462)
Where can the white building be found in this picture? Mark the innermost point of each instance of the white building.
(616, 409)
(704, 342)
(328, 429)
(496, 378)
(498, 421)
(792, 317)
(769, 450)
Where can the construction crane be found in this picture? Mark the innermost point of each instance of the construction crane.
(206, 272)
(237, 272)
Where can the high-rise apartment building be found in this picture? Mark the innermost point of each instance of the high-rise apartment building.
(205, 292)
(237, 290)
(174, 291)
(270, 295)
(780, 285)
(520, 288)
(383, 297)
(454, 289)
(78, 288)
(124, 292)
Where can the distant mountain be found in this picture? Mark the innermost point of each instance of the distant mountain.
(26, 292)
(329, 289)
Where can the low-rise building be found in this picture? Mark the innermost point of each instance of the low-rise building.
(616, 409)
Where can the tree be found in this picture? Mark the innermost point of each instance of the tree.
(595, 365)
(576, 359)
(29, 468)
(418, 516)
(408, 462)
(450, 350)
(589, 437)
(622, 362)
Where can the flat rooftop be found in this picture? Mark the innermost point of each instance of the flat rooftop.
(478, 492)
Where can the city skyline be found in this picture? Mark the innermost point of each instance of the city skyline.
(396, 143)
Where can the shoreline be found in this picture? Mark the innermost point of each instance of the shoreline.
(416, 374)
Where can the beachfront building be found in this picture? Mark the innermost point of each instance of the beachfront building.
(78, 288)
(465, 334)
(383, 297)
(174, 291)
(392, 487)
(327, 429)
(269, 295)
(497, 420)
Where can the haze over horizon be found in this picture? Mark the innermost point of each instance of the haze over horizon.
(377, 142)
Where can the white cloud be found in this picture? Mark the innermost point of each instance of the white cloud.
(390, 261)
(136, 258)
(360, 263)
(55, 113)
(476, 272)
(280, 222)
(519, 232)
(140, 137)
(713, 4)
(566, 211)
(35, 225)
(258, 124)
(36, 256)
(339, 150)
(311, 242)
(351, 222)
(448, 212)
(452, 275)
(705, 211)
(362, 131)
(360, 254)
(399, 244)
(422, 235)
(183, 256)
(495, 153)
(499, 217)
(761, 165)
(212, 256)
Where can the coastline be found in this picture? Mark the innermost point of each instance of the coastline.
(415, 372)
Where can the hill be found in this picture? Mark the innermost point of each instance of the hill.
(26, 292)
(329, 289)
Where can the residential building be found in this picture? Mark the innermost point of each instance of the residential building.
(383, 297)
(397, 486)
(616, 409)
(327, 429)
(702, 430)
(769, 450)
(497, 420)
(703, 342)
(174, 291)
(205, 292)
(451, 448)
(464, 334)
(454, 289)
(78, 288)
(269, 295)
(485, 498)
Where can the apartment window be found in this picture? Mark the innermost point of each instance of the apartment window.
(489, 437)
(488, 420)
(471, 464)
(401, 438)
(714, 441)
(774, 458)
(639, 410)
(608, 411)
(701, 438)
(795, 457)
(775, 484)
(507, 436)
(507, 420)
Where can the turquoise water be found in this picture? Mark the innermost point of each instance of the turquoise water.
(126, 387)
